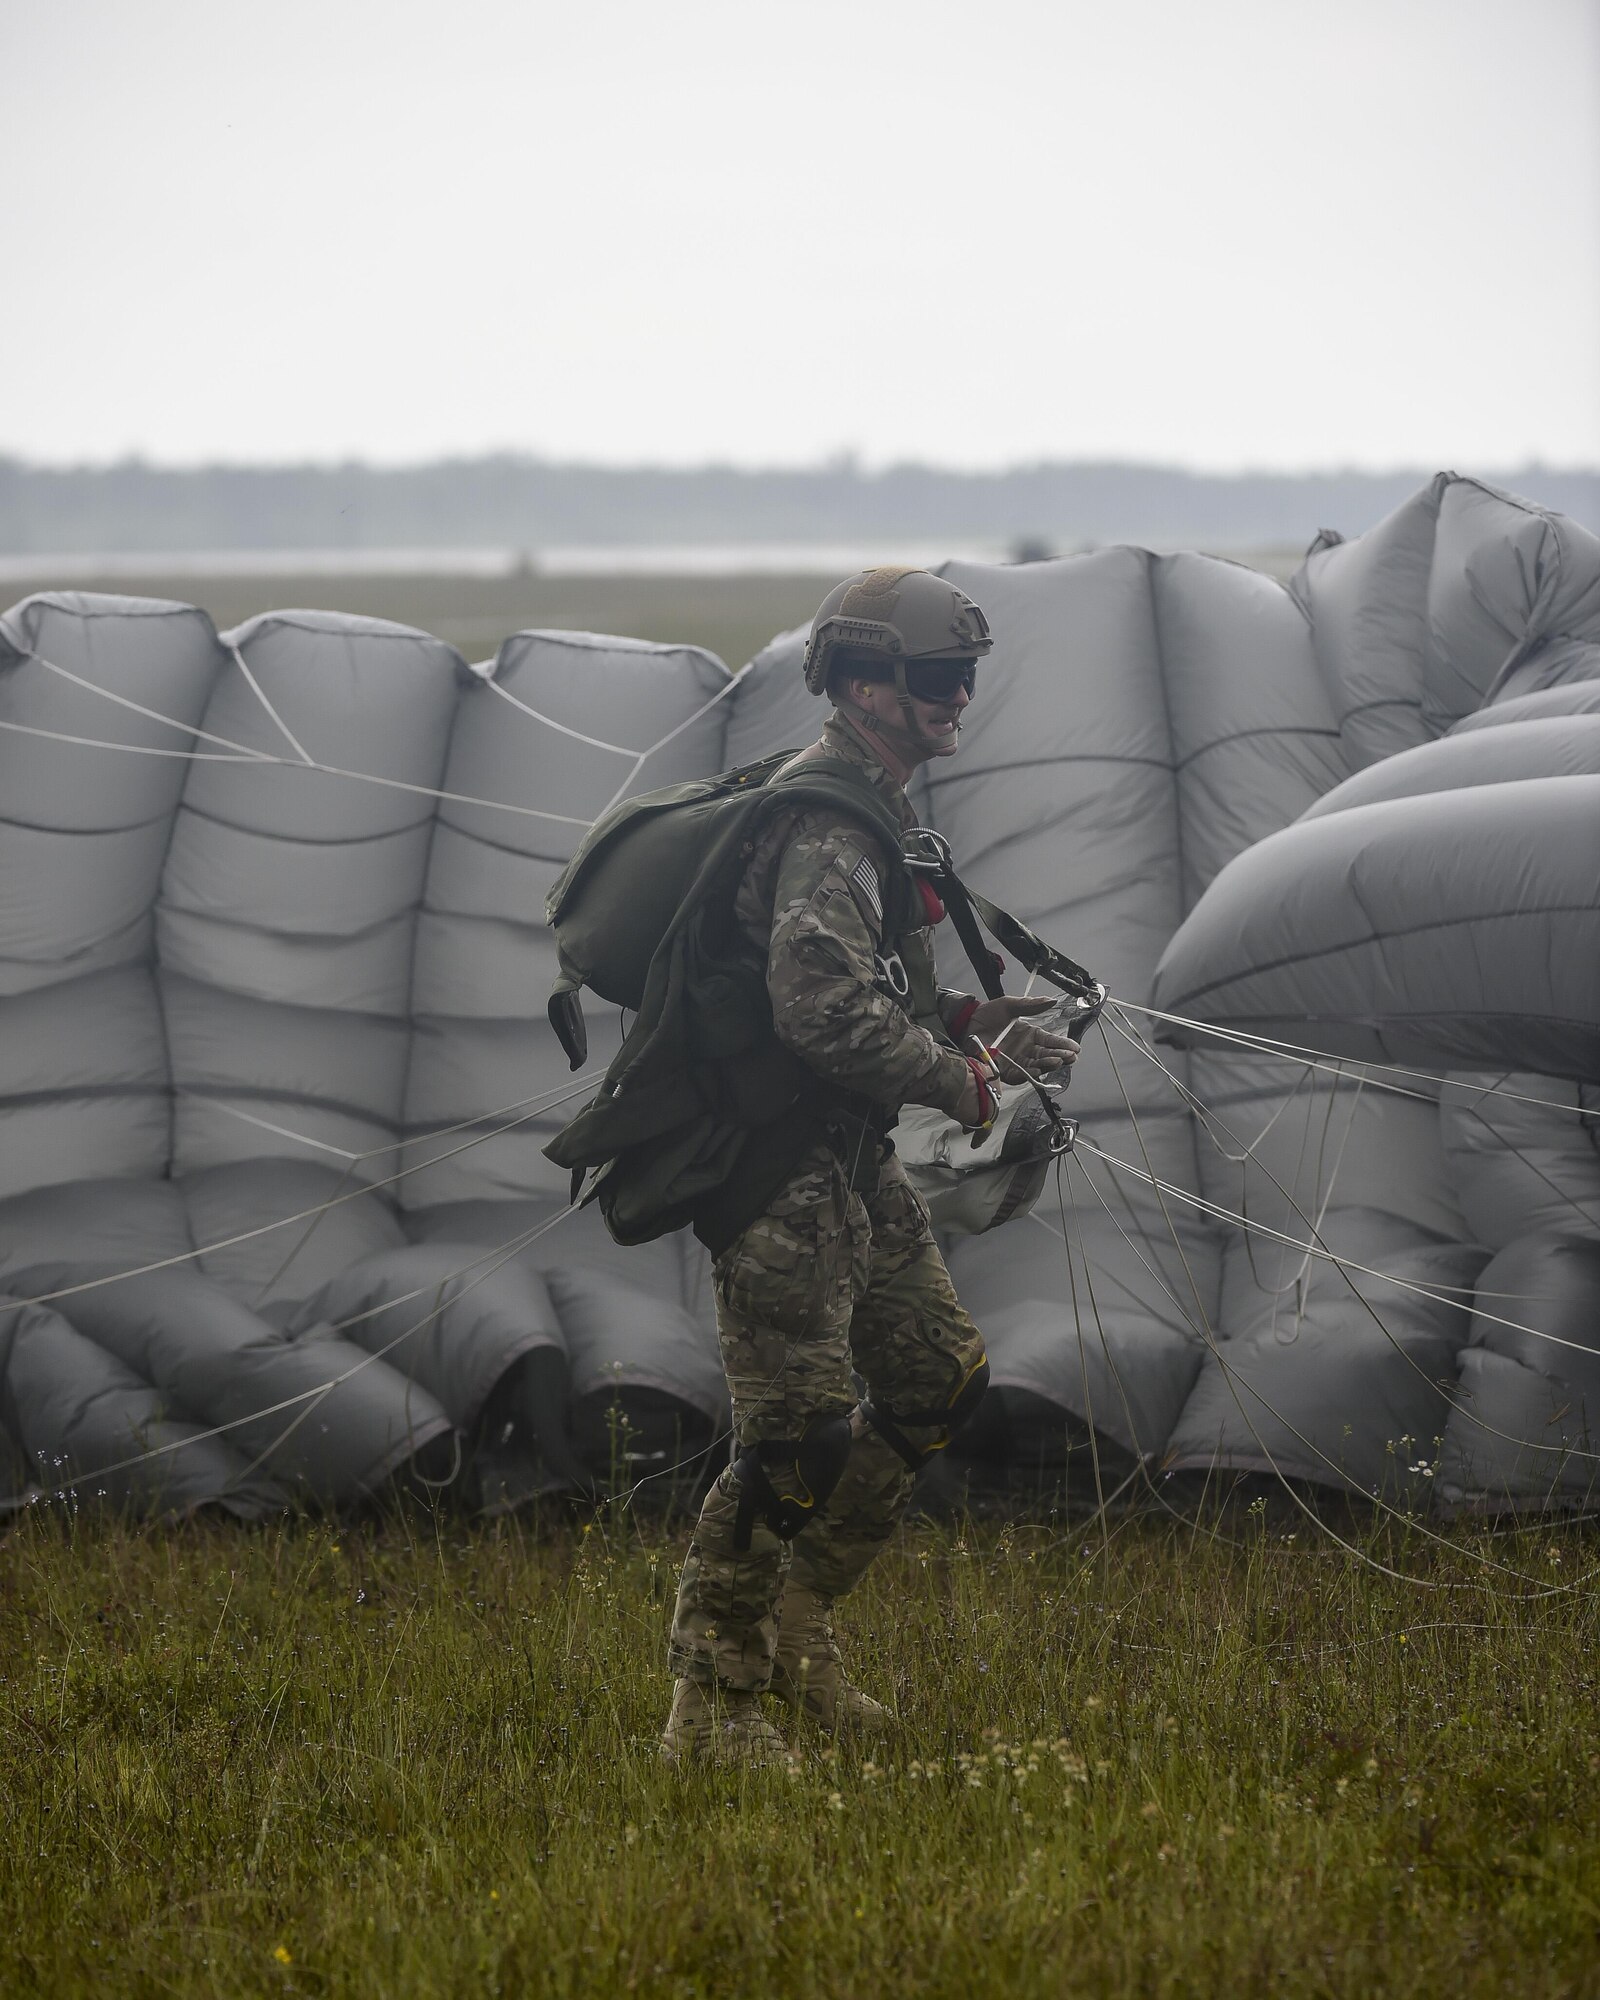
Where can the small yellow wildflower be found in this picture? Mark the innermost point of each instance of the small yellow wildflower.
(283, 1954)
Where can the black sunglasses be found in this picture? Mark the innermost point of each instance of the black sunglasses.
(937, 680)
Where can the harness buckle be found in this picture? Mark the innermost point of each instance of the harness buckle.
(892, 971)
(925, 851)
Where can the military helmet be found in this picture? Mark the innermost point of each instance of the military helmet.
(897, 614)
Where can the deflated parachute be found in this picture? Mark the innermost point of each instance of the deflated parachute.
(1441, 909)
(276, 1077)
(270, 962)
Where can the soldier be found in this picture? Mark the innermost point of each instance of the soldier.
(840, 1272)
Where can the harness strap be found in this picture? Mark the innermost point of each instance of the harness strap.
(967, 909)
(947, 1420)
(957, 899)
(1032, 951)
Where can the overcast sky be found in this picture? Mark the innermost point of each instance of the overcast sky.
(1227, 233)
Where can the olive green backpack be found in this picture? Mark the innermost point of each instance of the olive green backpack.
(643, 916)
(701, 1087)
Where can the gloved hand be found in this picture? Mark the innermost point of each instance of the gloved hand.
(1002, 1025)
(980, 1100)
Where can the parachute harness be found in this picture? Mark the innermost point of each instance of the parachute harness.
(927, 858)
(932, 861)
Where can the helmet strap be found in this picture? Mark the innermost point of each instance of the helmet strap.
(913, 728)
(908, 734)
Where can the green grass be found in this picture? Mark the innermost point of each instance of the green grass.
(733, 616)
(409, 1757)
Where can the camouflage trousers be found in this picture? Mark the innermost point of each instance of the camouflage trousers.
(823, 1282)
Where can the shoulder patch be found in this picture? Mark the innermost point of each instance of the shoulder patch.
(865, 878)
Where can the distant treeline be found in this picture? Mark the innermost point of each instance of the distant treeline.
(529, 504)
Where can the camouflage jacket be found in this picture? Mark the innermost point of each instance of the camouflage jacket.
(811, 902)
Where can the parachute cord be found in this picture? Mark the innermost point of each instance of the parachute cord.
(150, 714)
(299, 1215)
(1141, 1469)
(539, 1103)
(1088, 1399)
(1140, 1042)
(643, 756)
(266, 757)
(260, 694)
(1155, 1313)
(513, 1247)
(1217, 1213)
(1313, 1059)
(1244, 1157)
(1410, 1521)
(140, 749)
(1235, 1383)
(243, 752)
(270, 1283)
(450, 1478)
(1207, 1117)
(1144, 1458)
(1297, 1283)
(561, 728)
(266, 1125)
(1590, 1215)
(1271, 1291)
(1228, 1376)
(1318, 1248)
(1459, 1407)
(502, 1253)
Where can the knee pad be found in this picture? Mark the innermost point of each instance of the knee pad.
(788, 1480)
(891, 1424)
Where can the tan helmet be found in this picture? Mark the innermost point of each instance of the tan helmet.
(898, 614)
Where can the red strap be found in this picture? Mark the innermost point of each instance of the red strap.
(988, 1104)
(961, 1019)
(930, 900)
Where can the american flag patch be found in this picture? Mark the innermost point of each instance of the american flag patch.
(865, 877)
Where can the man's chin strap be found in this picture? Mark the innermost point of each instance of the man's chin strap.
(909, 734)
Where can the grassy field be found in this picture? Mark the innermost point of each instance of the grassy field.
(407, 1757)
(733, 616)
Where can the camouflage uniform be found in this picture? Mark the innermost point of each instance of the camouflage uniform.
(825, 1280)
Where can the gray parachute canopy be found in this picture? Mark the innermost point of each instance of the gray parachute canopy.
(275, 1073)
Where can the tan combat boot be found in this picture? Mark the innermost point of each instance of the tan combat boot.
(720, 1724)
(808, 1673)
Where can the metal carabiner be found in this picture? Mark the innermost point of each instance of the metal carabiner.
(937, 861)
(892, 971)
(1063, 1132)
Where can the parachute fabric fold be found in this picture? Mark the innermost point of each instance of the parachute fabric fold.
(90, 1429)
(1440, 928)
(268, 1025)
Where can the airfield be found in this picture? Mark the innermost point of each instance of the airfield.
(1182, 1746)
